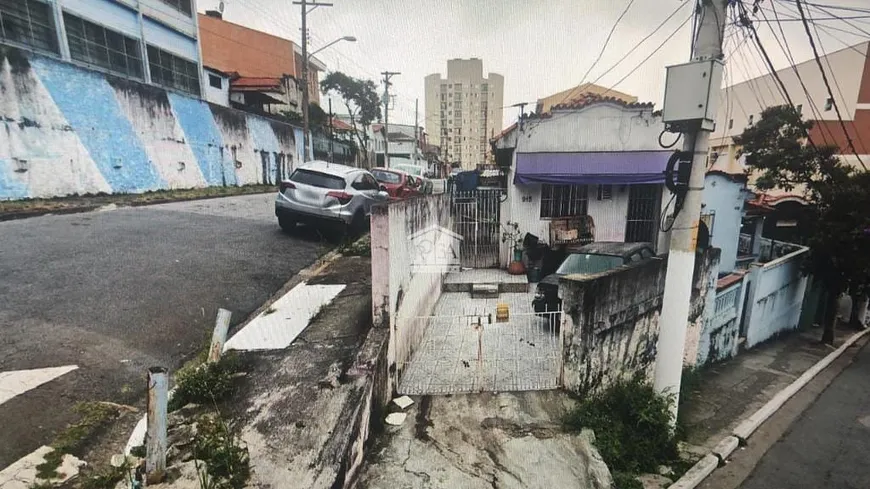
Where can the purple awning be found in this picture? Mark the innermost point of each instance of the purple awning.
(616, 167)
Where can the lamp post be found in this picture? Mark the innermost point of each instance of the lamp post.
(305, 97)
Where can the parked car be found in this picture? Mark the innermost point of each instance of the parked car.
(588, 259)
(399, 184)
(326, 193)
(417, 172)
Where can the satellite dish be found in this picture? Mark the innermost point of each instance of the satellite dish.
(221, 7)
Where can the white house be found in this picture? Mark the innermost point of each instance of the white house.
(595, 163)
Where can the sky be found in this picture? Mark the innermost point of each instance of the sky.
(540, 46)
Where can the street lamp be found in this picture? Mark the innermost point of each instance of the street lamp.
(305, 96)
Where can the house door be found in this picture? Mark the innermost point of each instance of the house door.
(476, 219)
(643, 213)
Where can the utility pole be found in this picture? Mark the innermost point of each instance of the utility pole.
(387, 76)
(306, 136)
(684, 233)
(331, 135)
(416, 130)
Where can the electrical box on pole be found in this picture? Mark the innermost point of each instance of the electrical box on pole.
(692, 95)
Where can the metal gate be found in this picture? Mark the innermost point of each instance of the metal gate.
(642, 219)
(475, 353)
(476, 218)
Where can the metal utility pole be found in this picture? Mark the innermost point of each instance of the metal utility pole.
(387, 76)
(416, 130)
(331, 135)
(306, 136)
(684, 233)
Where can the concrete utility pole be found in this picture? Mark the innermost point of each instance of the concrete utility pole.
(684, 233)
(306, 136)
(387, 76)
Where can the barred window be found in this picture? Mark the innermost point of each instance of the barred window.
(564, 200)
(28, 22)
(180, 5)
(171, 71)
(93, 44)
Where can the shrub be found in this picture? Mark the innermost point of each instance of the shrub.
(227, 464)
(632, 426)
(204, 383)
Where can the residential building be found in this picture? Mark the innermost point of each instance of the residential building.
(570, 95)
(261, 70)
(405, 145)
(154, 41)
(463, 111)
(741, 104)
(589, 171)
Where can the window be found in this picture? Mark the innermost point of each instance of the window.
(28, 22)
(215, 81)
(484, 87)
(366, 182)
(180, 5)
(605, 192)
(317, 179)
(563, 200)
(730, 123)
(95, 45)
(829, 104)
(172, 71)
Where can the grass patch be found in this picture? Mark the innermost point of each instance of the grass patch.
(225, 463)
(632, 429)
(92, 417)
(89, 200)
(104, 478)
(201, 383)
(360, 247)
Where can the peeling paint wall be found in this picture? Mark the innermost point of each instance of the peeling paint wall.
(413, 247)
(776, 294)
(611, 320)
(68, 130)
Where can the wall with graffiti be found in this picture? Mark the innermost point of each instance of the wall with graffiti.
(67, 130)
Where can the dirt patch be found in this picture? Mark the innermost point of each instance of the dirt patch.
(20, 209)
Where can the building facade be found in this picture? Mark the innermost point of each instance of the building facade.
(464, 111)
(151, 41)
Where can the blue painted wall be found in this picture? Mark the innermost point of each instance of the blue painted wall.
(723, 196)
(110, 14)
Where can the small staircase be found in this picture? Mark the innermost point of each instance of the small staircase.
(485, 283)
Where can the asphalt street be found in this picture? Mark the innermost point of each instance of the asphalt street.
(117, 291)
(828, 446)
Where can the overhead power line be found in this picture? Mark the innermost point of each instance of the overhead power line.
(607, 40)
(827, 84)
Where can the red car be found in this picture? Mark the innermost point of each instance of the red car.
(399, 184)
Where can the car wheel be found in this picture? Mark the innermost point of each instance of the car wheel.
(287, 224)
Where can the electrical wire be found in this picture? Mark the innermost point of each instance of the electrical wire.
(828, 85)
(669, 146)
(607, 41)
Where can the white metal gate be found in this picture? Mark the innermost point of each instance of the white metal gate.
(475, 353)
(476, 218)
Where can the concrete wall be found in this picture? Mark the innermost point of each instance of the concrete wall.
(611, 320)
(69, 130)
(776, 294)
(703, 303)
(724, 197)
(412, 249)
(719, 338)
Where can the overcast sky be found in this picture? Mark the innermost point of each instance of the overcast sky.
(540, 46)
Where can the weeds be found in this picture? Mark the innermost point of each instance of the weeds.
(625, 480)
(93, 416)
(632, 428)
(104, 478)
(205, 382)
(360, 247)
(225, 464)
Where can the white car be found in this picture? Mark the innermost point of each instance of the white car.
(322, 193)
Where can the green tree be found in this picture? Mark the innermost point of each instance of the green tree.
(839, 211)
(361, 100)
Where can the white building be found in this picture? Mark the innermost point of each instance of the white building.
(463, 111)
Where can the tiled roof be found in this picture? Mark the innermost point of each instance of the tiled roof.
(340, 125)
(586, 100)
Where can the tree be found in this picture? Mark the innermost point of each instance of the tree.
(362, 103)
(839, 210)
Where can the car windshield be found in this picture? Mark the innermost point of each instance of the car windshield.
(588, 264)
(387, 176)
(413, 170)
(317, 179)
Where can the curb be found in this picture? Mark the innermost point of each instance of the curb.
(739, 436)
(137, 436)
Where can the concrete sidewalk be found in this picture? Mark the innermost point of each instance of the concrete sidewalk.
(731, 391)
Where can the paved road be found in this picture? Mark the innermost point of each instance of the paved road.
(117, 291)
(829, 444)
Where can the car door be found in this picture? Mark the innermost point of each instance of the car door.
(368, 187)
